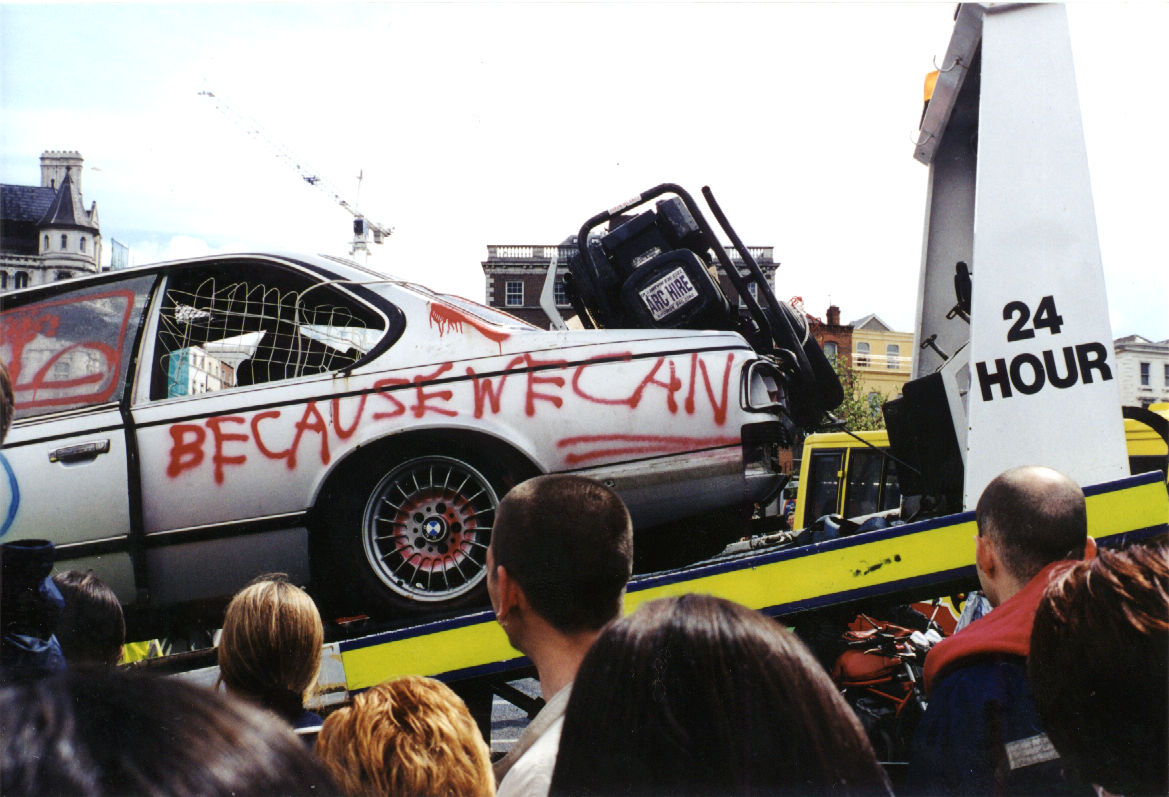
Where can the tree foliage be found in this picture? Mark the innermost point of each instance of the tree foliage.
(860, 411)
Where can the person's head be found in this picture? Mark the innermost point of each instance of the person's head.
(101, 733)
(409, 736)
(567, 542)
(1027, 517)
(699, 695)
(270, 648)
(1099, 668)
(92, 629)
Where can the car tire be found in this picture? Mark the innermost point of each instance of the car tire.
(411, 537)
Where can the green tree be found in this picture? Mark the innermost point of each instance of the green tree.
(860, 411)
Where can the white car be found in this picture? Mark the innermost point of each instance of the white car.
(183, 427)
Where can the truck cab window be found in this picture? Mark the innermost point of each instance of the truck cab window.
(823, 483)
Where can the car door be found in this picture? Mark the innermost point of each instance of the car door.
(230, 414)
(67, 461)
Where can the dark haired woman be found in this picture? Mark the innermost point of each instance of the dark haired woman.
(701, 696)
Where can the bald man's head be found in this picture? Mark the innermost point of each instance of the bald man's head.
(1034, 516)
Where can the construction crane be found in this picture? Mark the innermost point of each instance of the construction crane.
(363, 228)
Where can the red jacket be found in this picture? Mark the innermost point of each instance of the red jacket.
(1006, 630)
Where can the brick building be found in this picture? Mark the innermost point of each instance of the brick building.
(46, 233)
(515, 275)
(834, 337)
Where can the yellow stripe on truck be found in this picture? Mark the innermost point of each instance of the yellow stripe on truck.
(861, 566)
(1113, 512)
(451, 650)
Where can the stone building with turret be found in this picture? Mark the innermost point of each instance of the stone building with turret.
(46, 232)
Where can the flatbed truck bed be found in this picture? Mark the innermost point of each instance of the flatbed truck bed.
(901, 563)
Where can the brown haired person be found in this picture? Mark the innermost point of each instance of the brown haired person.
(561, 553)
(112, 733)
(981, 733)
(1099, 669)
(270, 648)
(698, 695)
(92, 628)
(409, 737)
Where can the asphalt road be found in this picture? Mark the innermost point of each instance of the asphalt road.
(507, 721)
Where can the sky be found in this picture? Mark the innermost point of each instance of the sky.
(511, 123)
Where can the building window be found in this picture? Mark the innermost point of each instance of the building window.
(862, 355)
(21, 280)
(1166, 374)
(830, 348)
(83, 243)
(751, 289)
(45, 248)
(4, 287)
(892, 356)
(62, 275)
(513, 293)
(64, 241)
(560, 293)
(1145, 374)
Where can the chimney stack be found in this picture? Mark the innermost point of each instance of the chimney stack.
(55, 164)
(833, 315)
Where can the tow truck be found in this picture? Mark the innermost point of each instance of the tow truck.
(1013, 365)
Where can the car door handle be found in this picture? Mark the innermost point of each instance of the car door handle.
(83, 452)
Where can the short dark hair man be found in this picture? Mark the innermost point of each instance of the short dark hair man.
(981, 733)
(561, 554)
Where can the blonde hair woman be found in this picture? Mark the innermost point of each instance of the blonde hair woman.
(409, 737)
(270, 648)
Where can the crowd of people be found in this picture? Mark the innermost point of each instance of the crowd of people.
(1060, 689)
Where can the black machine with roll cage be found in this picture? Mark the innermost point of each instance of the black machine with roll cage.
(654, 270)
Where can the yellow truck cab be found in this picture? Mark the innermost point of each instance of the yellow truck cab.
(843, 475)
